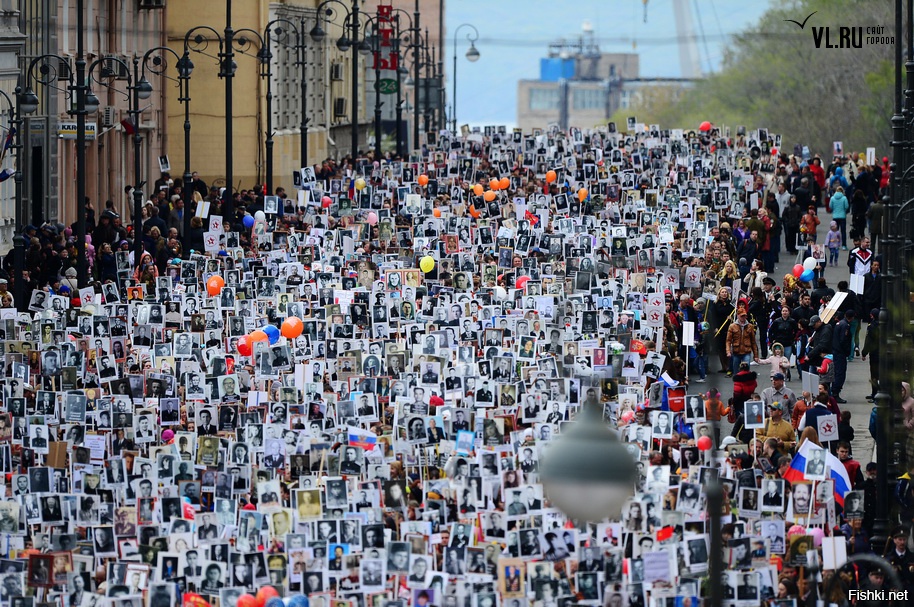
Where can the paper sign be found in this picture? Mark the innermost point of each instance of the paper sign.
(656, 566)
(653, 316)
(688, 333)
(810, 382)
(692, 277)
(832, 307)
(828, 427)
(202, 209)
(211, 241)
(871, 156)
(215, 223)
(856, 284)
(834, 553)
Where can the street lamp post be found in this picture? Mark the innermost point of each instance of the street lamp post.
(376, 48)
(77, 90)
(15, 126)
(344, 44)
(401, 70)
(156, 64)
(472, 56)
(80, 89)
(196, 41)
(227, 71)
(416, 62)
(266, 58)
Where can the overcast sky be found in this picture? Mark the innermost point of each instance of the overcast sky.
(515, 34)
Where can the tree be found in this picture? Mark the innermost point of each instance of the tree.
(774, 76)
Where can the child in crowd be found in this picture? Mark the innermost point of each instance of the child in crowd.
(800, 407)
(833, 242)
(779, 363)
(809, 223)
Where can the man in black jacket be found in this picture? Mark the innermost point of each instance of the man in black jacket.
(843, 349)
(820, 342)
(791, 219)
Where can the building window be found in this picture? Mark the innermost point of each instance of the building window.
(589, 99)
(544, 99)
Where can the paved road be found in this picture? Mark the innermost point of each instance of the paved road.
(857, 385)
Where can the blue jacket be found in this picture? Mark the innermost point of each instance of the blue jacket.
(839, 205)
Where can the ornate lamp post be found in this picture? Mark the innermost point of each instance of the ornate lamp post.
(472, 56)
(154, 60)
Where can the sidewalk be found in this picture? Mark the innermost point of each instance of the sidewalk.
(857, 385)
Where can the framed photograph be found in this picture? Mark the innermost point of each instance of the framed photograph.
(815, 464)
(754, 414)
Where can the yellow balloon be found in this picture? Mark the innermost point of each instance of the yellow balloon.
(360, 184)
(427, 264)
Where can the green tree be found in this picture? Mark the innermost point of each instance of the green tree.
(773, 76)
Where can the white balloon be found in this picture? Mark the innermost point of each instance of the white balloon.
(260, 216)
(500, 293)
(809, 263)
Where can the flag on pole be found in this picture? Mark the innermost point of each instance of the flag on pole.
(361, 438)
(837, 471)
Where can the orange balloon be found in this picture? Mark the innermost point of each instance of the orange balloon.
(423, 180)
(489, 196)
(214, 285)
(504, 183)
(265, 594)
(477, 189)
(246, 600)
(550, 176)
(436, 212)
(582, 194)
(473, 212)
(258, 335)
(493, 184)
(292, 327)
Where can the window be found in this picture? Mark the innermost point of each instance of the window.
(544, 99)
(589, 99)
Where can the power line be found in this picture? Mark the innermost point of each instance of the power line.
(626, 40)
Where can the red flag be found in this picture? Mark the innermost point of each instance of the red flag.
(664, 534)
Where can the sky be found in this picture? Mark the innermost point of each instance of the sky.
(515, 34)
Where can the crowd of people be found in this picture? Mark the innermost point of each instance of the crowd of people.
(346, 392)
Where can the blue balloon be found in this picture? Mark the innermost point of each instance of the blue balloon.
(275, 602)
(272, 332)
(299, 601)
(807, 275)
(248, 221)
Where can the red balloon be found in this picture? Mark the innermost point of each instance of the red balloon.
(246, 600)
(705, 126)
(326, 201)
(244, 346)
(521, 282)
(265, 594)
(798, 270)
(188, 510)
(704, 443)
(292, 327)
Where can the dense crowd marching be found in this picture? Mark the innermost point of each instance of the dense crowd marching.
(346, 393)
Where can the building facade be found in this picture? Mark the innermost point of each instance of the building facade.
(581, 89)
(12, 41)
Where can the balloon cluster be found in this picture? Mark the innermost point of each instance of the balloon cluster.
(269, 597)
(291, 328)
(805, 271)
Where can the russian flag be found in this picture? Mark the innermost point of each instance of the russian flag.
(361, 438)
(836, 470)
